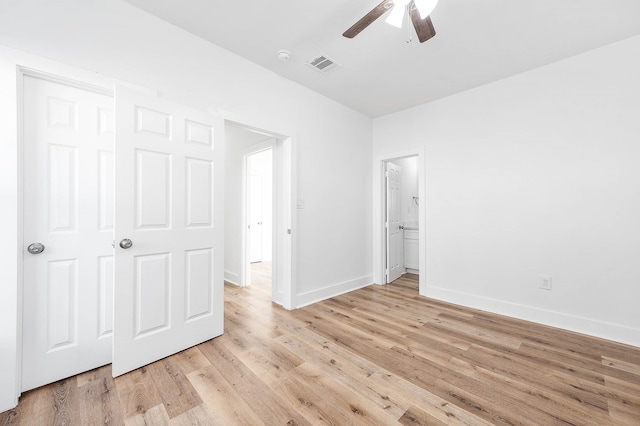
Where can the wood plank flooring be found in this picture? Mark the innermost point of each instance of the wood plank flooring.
(381, 355)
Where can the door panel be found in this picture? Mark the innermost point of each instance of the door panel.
(152, 183)
(169, 284)
(67, 305)
(106, 178)
(62, 170)
(62, 279)
(394, 234)
(105, 300)
(199, 193)
(199, 273)
(152, 292)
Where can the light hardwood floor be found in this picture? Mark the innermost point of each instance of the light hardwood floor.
(379, 355)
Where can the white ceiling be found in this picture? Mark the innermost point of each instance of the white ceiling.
(477, 42)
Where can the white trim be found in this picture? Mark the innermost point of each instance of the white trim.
(25, 71)
(578, 324)
(287, 220)
(318, 295)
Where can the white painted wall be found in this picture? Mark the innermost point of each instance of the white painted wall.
(536, 175)
(113, 39)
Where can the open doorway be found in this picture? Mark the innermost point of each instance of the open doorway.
(402, 203)
(259, 182)
(258, 201)
(399, 221)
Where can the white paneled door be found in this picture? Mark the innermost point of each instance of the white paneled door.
(394, 233)
(156, 196)
(68, 230)
(169, 229)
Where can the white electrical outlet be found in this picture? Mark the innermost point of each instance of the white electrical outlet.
(545, 282)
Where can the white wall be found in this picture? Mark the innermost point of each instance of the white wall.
(534, 175)
(112, 38)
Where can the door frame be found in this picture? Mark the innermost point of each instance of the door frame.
(284, 188)
(379, 212)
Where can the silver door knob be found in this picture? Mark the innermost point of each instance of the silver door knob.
(35, 248)
(126, 243)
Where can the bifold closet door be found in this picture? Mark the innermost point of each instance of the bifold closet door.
(394, 233)
(169, 229)
(68, 213)
(159, 189)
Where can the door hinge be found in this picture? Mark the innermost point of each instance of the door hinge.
(289, 231)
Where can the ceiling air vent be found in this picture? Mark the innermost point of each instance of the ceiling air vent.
(323, 64)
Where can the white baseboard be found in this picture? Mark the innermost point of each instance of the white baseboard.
(604, 330)
(232, 278)
(310, 297)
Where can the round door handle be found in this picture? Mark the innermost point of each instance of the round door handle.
(35, 248)
(126, 243)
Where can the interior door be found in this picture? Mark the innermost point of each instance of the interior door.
(68, 215)
(169, 229)
(394, 233)
(255, 214)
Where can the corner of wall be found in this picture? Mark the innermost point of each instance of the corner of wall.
(317, 295)
(232, 278)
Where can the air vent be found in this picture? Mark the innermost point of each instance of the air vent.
(324, 64)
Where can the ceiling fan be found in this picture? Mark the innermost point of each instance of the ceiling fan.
(417, 10)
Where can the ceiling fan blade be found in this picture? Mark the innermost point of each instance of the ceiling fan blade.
(424, 27)
(367, 19)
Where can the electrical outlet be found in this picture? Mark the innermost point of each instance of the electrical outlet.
(545, 283)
